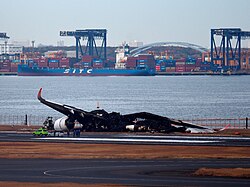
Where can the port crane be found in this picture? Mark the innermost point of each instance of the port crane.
(4, 36)
(89, 35)
(226, 51)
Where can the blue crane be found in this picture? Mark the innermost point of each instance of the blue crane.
(226, 51)
(89, 35)
(4, 35)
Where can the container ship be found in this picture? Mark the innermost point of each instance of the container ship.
(25, 70)
(90, 66)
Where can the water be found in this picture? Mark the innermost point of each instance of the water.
(183, 97)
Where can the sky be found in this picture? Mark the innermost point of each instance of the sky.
(147, 21)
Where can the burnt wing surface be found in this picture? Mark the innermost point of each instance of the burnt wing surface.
(101, 120)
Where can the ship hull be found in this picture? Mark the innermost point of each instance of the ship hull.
(24, 70)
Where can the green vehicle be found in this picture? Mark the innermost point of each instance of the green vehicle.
(41, 132)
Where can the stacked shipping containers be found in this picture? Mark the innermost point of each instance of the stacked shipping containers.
(64, 63)
(14, 65)
(30, 62)
(146, 61)
(131, 62)
(53, 62)
(87, 61)
(190, 64)
(97, 63)
(170, 65)
(78, 65)
(205, 66)
(41, 62)
(180, 65)
(5, 66)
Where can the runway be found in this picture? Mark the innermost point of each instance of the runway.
(127, 172)
(131, 138)
(140, 172)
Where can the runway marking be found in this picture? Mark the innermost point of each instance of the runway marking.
(128, 140)
(194, 137)
(145, 178)
(50, 173)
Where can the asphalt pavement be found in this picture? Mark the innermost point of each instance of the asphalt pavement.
(131, 138)
(167, 172)
(172, 172)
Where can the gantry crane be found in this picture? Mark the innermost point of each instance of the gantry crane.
(90, 35)
(226, 51)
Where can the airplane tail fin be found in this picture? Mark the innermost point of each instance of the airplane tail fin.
(39, 95)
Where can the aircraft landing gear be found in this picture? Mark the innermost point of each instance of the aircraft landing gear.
(76, 133)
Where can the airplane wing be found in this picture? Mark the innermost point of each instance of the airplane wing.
(64, 109)
(146, 115)
(186, 124)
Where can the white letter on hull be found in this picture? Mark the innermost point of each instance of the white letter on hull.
(89, 71)
(66, 71)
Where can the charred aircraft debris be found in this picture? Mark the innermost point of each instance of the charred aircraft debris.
(102, 121)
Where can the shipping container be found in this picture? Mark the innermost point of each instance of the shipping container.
(148, 61)
(205, 68)
(86, 64)
(53, 61)
(163, 68)
(30, 64)
(64, 63)
(97, 61)
(199, 60)
(42, 64)
(180, 63)
(15, 61)
(131, 59)
(180, 68)
(180, 60)
(4, 70)
(78, 65)
(170, 69)
(190, 62)
(190, 68)
(87, 58)
(170, 64)
(110, 64)
(97, 64)
(131, 64)
(44, 60)
(142, 66)
(206, 63)
(30, 61)
(144, 57)
(64, 60)
(13, 67)
(53, 65)
(142, 61)
(37, 60)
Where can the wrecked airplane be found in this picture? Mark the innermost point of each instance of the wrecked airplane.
(102, 121)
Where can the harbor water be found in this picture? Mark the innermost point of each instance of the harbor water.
(180, 97)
